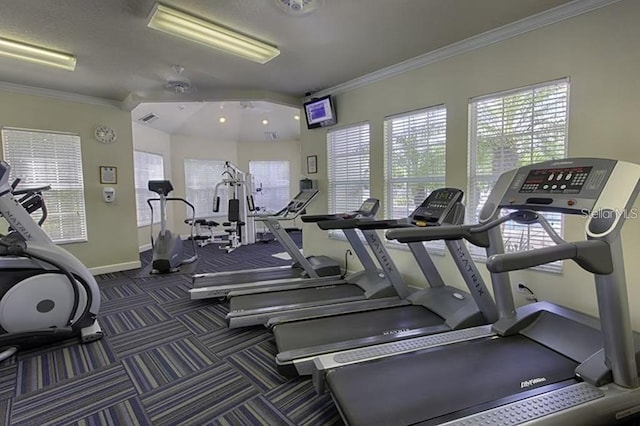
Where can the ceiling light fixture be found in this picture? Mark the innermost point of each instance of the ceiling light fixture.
(222, 119)
(265, 122)
(27, 52)
(198, 30)
(296, 117)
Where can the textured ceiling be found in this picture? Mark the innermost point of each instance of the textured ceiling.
(343, 39)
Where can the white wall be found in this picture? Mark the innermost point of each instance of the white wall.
(112, 243)
(598, 51)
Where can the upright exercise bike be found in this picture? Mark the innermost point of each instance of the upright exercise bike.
(168, 251)
(46, 294)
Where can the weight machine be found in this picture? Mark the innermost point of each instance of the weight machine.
(240, 225)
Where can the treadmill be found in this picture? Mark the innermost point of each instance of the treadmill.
(371, 288)
(303, 271)
(543, 363)
(432, 310)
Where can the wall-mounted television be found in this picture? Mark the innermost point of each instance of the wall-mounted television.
(320, 112)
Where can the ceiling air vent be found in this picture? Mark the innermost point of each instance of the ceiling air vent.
(271, 136)
(149, 118)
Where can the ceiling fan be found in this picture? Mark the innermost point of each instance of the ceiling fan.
(179, 83)
(298, 7)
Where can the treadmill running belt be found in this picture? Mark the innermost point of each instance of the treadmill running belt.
(322, 331)
(420, 386)
(287, 298)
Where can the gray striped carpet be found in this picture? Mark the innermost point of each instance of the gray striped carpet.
(164, 360)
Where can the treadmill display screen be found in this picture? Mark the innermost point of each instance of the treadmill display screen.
(569, 180)
(432, 209)
(367, 208)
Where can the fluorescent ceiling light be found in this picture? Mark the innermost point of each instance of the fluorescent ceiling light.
(189, 27)
(27, 52)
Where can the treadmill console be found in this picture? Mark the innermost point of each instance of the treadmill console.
(568, 186)
(369, 208)
(435, 209)
(301, 200)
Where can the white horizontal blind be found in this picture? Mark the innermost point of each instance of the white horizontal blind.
(509, 130)
(201, 178)
(50, 158)
(347, 169)
(272, 180)
(415, 157)
(147, 166)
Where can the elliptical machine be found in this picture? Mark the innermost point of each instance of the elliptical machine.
(46, 293)
(168, 251)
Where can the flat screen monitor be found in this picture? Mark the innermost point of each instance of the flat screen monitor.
(320, 112)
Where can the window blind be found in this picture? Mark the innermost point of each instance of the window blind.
(509, 130)
(347, 168)
(201, 178)
(272, 180)
(415, 159)
(147, 166)
(51, 158)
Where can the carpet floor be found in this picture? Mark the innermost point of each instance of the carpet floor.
(164, 360)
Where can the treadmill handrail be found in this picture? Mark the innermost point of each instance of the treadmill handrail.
(344, 223)
(383, 224)
(593, 256)
(313, 218)
(294, 209)
(471, 233)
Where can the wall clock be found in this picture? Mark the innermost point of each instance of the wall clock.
(105, 134)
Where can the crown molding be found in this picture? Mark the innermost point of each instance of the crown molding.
(57, 94)
(531, 23)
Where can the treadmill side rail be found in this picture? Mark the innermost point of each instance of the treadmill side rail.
(535, 408)
(253, 287)
(324, 363)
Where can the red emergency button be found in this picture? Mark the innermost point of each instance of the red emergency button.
(571, 202)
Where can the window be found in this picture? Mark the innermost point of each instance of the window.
(271, 180)
(201, 178)
(415, 147)
(147, 167)
(51, 158)
(509, 130)
(415, 154)
(347, 169)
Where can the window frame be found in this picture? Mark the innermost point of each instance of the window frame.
(277, 206)
(144, 207)
(223, 212)
(474, 178)
(438, 115)
(56, 204)
(339, 202)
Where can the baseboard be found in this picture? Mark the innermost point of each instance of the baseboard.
(144, 248)
(107, 269)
